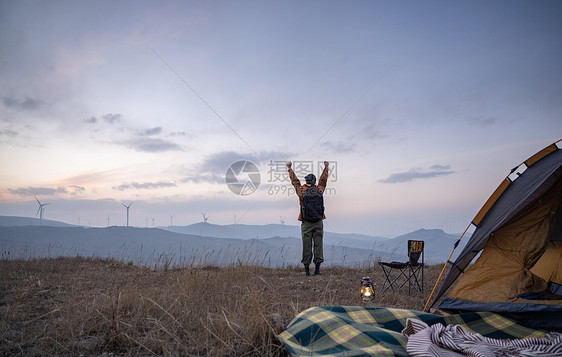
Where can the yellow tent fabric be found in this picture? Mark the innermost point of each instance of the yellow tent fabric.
(505, 267)
(549, 265)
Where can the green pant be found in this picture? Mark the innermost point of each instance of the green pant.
(312, 233)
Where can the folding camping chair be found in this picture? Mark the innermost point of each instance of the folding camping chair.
(397, 274)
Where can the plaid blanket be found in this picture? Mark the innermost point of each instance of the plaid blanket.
(368, 331)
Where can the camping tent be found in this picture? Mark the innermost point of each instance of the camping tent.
(518, 236)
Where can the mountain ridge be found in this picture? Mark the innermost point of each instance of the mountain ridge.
(220, 244)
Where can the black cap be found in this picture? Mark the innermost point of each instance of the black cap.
(310, 179)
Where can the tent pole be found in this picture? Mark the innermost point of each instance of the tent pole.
(444, 267)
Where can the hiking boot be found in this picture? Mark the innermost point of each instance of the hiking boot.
(317, 270)
(307, 270)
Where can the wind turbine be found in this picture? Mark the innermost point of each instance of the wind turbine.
(282, 220)
(40, 210)
(127, 207)
(205, 218)
(171, 221)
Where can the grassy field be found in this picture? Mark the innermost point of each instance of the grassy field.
(89, 306)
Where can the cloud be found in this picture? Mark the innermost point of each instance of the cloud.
(88, 178)
(213, 168)
(340, 147)
(112, 118)
(153, 145)
(440, 167)
(219, 162)
(9, 133)
(145, 185)
(375, 130)
(24, 104)
(38, 191)
(418, 173)
(206, 178)
(47, 191)
(77, 189)
(139, 140)
(483, 121)
(122, 187)
(153, 131)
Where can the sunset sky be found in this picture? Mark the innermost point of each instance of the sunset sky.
(422, 108)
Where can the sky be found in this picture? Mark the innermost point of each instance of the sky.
(421, 108)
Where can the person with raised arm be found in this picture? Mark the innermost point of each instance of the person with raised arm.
(311, 215)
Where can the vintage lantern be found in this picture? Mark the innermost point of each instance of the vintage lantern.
(367, 289)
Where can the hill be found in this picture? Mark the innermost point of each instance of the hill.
(205, 243)
(437, 246)
(13, 221)
(157, 247)
(243, 231)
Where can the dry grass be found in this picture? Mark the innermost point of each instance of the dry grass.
(87, 306)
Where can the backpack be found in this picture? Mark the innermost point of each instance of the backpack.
(312, 209)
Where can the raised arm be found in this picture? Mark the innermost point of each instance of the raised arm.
(323, 181)
(294, 179)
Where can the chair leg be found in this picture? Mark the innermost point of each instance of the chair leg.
(413, 279)
(393, 281)
(388, 279)
(402, 274)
